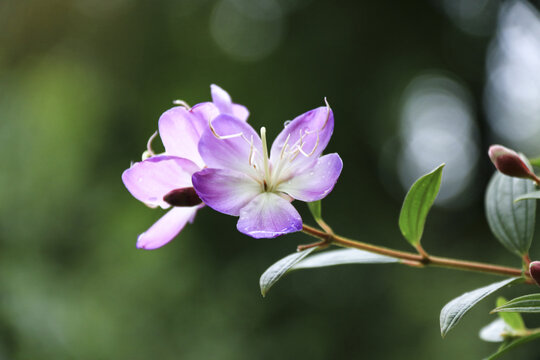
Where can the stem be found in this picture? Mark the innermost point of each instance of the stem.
(423, 259)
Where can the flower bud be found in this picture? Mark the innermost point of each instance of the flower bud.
(182, 197)
(534, 270)
(509, 162)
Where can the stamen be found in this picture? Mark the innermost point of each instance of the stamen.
(279, 166)
(251, 152)
(224, 137)
(149, 152)
(149, 143)
(314, 148)
(285, 146)
(328, 108)
(265, 154)
(182, 103)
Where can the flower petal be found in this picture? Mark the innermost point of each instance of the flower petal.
(268, 216)
(207, 111)
(240, 112)
(226, 191)
(230, 153)
(149, 180)
(314, 183)
(166, 228)
(221, 99)
(319, 125)
(180, 132)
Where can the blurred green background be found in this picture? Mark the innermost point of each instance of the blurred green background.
(412, 84)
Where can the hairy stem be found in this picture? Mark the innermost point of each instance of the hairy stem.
(414, 259)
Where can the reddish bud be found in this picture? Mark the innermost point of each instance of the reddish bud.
(534, 270)
(182, 197)
(509, 162)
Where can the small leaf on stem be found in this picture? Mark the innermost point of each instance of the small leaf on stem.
(452, 312)
(342, 257)
(512, 223)
(514, 320)
(280, 268)
(417, 203)
(523, 304)
(535, 161)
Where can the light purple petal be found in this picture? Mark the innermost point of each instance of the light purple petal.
(149, 180)
(226, 191)
(206, 112)
(268, 216)
(319, 123)
(233, 153)
(166, 228)
(221, 99)
(314, 183)
(180, 132)
(240, 112)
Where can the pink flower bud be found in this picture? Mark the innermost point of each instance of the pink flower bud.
(534, 270)
(508, 162)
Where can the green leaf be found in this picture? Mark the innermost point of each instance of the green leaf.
(535, 161)
(452, 312)
(513, 319)
(280, 268)
(510, 344)
(417, 204)
(511, 223)
(342, 257)
(315, 208)
(523, 304)
(531, 195)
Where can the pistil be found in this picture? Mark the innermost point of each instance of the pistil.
(266, 165)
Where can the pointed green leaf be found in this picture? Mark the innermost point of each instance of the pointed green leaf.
(315, 209)
(452, 312)
(417, 203)
(342, 257)
(531, 195)
(280, 268)
(523, 304)
(512, 319)
(512, 223)
(510, 344)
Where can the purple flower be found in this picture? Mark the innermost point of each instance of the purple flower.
(165, 179)
(243, 179)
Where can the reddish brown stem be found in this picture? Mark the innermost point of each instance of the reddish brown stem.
(423, 258)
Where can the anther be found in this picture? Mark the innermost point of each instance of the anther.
(182, 103)
(182, 197)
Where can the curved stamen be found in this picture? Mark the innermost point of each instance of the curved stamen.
(149, 152)
(182, 103)
(314, 148)
(251, 152)
(328, 108)
(285, 146)
(149, 143)
(225, 137)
